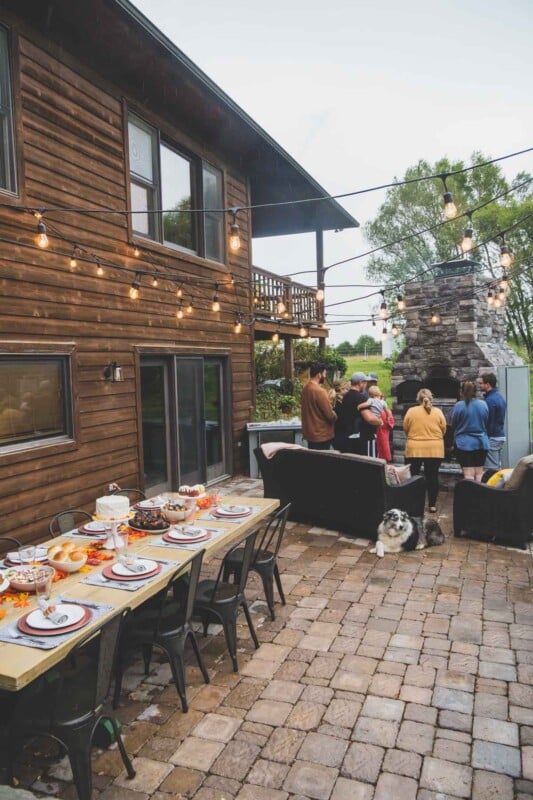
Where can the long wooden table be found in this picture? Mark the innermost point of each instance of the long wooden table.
(19, 665)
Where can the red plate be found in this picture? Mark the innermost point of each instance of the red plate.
(149, 530)
(230, 516)
(170, 539)
(25, 628)
(8, 563)
(107, 572)
(83, 529)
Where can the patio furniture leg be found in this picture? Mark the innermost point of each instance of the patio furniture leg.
(277, 576)
(118, 738)
(250, 623)
(198, 655)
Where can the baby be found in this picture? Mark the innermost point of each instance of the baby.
(376, 402)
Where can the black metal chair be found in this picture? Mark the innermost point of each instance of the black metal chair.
(164, 622)
(67, 704)
(67, 520)
(264, 560)
(221, 601)
(134, 494)
(7, 542)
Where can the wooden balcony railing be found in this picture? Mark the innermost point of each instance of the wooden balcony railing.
(299, 303)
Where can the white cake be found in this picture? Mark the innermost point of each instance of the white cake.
(112, 507)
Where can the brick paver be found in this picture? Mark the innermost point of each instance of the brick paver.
(409, 676)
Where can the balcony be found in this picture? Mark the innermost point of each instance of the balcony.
(283, 306)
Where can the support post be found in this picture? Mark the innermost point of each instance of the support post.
(288, 349)
(320, 278)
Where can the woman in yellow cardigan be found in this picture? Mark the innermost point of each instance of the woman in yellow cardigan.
(425, 427)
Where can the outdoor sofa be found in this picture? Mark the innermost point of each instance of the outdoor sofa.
(338, 491)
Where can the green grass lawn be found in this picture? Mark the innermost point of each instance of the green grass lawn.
(371, 364)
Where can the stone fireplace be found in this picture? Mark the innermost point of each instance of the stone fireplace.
(467, 339)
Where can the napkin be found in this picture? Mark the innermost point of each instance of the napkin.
(50, 612)
(132, 564)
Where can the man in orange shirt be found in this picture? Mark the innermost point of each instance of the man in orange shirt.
(318, 416)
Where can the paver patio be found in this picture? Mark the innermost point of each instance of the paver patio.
(405, 677)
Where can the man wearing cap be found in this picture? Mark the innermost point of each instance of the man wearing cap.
(356, 425)
(317, 414)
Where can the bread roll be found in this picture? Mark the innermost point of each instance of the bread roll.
(54, 550)
(61, 556)
(77, 554)
(68, 547)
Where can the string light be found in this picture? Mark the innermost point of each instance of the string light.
(319, 295)
(190, 307)
(506, 257)
(42, 238)
(179, 292)
(497, 302)
(136, 251)
(450, 209)
(281, 308)
(155, 281)
(135, 286)
(401, 302)
(72, 261)
(373, 321)
(383, 306)
(303, 332)
(237, 328)
(467, 242)
(490, 298)
(179, 312)
(502, 294)
(384, 334)
(234, 237)
(504, 282)
(435, 318)
(215, 306)
(99, 269)
(275, 337)
(395, 330)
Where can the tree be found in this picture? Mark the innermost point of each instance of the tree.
(367, 344)
(418, 206)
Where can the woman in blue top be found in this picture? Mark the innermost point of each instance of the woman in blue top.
(469, 421)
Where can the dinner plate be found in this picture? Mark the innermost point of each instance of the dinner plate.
(152, 502)
(41, 554)
(57, 631)
(108, 572)
(94, 527)
(122, 570)
(74, 613)
(188, 534)
(148, 530)
(232, 511)
(4, 583)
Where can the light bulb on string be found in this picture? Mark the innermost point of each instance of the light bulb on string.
(179, 312)
(395, 330)
(501, 294)
(319, 295)
(400, 302)
(72, 260)
(99, 270)
(373, 321)
(190, 307)
(136, 251)
(490, 298)
(155, 281)
(179, 292)
(384, 334)
(38, 215)
(42, 238)
(231, 279)
(281, 308)
(275, 337)
(303, 332)
(215, 305)
(450, 209)
(497, 302)
(383, 306)
(234, 237)
(435, 318)
(506, 257)
(135, 286)
(467, 242)
(504, 282)
(237, 328)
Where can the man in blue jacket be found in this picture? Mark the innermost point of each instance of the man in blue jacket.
(496, 421)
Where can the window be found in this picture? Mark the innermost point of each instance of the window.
(35, 399)
(161, 177)
(7, 140)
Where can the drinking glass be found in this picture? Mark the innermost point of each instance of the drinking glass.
(43, 589)
(190, 510)
(26, 554)
(121, 544)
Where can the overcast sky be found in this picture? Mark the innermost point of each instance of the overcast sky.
(359, 90)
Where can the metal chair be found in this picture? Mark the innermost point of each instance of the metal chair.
(264, 560)
(165, 624)
(7, 542)
(67, 520)
(222, 600)
(134, 494)
(67, 704)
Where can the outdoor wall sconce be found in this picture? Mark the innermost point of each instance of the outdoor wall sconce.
(113, 372)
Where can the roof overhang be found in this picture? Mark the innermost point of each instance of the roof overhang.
(117, 41)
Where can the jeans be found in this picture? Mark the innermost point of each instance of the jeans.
(431, 474)
(494, 456)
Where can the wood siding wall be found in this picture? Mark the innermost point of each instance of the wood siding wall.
(72, 142)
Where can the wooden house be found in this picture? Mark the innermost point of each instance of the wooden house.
(119, 160)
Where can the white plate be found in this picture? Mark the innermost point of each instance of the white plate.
(152, 502)
(120, 569)
(41, 554)
(186, 533)
(233, 511)
(37, 619)
(4, 583)
(97, 527)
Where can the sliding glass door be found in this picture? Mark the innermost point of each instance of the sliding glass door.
(185, 421)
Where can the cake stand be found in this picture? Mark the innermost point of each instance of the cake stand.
(113, 536)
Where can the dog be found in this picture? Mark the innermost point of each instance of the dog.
(398, 533)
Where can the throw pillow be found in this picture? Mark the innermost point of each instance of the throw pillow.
(518, 473)
(500, 478)
(396, 475)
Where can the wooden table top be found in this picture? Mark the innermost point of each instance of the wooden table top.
(19, 665)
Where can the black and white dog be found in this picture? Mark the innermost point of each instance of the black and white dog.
(398, 532)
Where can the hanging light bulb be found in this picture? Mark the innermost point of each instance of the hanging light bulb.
(435, 318)
(384, 334)
(42, 238)
(179, 312)
(506, 257)
(136, 251)
(99, 270)
(450, 209)
(275, 337)
(395, 330)
(179, 292)
(373, 321)
(155, 281)
(38, 215)
(504, 282)
(238, 324)
(319, 295)
(501, 294)
(401, 302)
(134, 288)
(467, 241)
(215, 305)
(231, 279)
(303, 332)
(490, 298)
(234, 238)
(281, 308)
(190, 307)
(497, 302)
(383, 307)
(72, 260)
